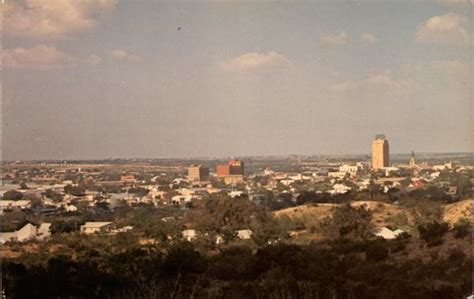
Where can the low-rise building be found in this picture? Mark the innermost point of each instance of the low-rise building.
(27, 232)
(388, 234)
(244, 234)
(96, 227)
(189, 234)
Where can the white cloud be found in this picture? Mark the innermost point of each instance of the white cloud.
(455, 2)
(122, 55)
(453, 71)
(369, 38)
(372, 85)
(337, 39)
(256, 62)
(93, 59)
(451, 66)
(53, 19)
(37, 57)
(444, 29)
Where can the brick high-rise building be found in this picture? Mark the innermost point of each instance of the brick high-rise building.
(222, 170)
(232, 172)
(380, 152)
(198, 173)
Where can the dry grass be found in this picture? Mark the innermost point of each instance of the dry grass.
(384, 214)
(455, 211)
(313, 214)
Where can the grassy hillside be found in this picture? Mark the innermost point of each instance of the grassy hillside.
(384, 214)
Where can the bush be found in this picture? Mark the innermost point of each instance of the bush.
(12, 195)
(376, 252)
(461, 229)
(432, 233)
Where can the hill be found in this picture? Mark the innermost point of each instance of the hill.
(458, 210)
(384, 214)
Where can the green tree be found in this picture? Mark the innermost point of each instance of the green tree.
(432, 233)
(348, 221)
(12, 195)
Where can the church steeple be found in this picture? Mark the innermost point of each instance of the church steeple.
(412, 159)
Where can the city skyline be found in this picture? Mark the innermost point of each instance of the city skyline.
(171, 80)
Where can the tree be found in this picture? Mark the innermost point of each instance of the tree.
(374, 189)
(12, 195)
(55, 196)
(376, 252)
(138, 191)
(432, 233)
(75, 190)
(462, 229)
(348, 221)
(36, 201)
(223, 212)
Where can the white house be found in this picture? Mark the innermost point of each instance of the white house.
(70, 208)
(96, 227)
(27, 232)
(189, 234)
(181, 199)
(352, 170)
(337, 174)
(234, 194)
(388, 234)
(44, 231)
(244, 234)
(339, 189)
(14, 204)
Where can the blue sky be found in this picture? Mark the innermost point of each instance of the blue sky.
(118, 79)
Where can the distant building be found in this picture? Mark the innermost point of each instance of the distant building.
(26, 233)
(198, 173)
(189, 234)
(233, 172)
(388, 234)
(96, 227)
(380, 152)
(222, 171)
(128, 178)
(244, 234)
(412, 163)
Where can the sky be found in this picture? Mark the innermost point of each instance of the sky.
(154, 79)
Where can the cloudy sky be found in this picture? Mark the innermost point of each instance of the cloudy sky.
(111, 78)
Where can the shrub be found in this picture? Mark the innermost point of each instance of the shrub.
(432, 233)
(461, 229)
(376, 252)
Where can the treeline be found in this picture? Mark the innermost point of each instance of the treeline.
(340, 268)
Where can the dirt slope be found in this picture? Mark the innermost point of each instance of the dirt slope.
(455, 211)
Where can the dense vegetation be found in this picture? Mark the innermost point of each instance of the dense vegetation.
(348, 263)
(341, 268)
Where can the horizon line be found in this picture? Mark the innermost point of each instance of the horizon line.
(227, 157)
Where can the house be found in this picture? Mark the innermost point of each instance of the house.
(219, 240)
(189, 234)
(340, 189)
(15, 204)
(181, 199)
(128, 178)
(44, 231)
(122, 229)
(388, 234)
(70, 208)
(96, 227)
(244, 234)
(26, 233)
(235, 194)
(418, 183)
(352, 170)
